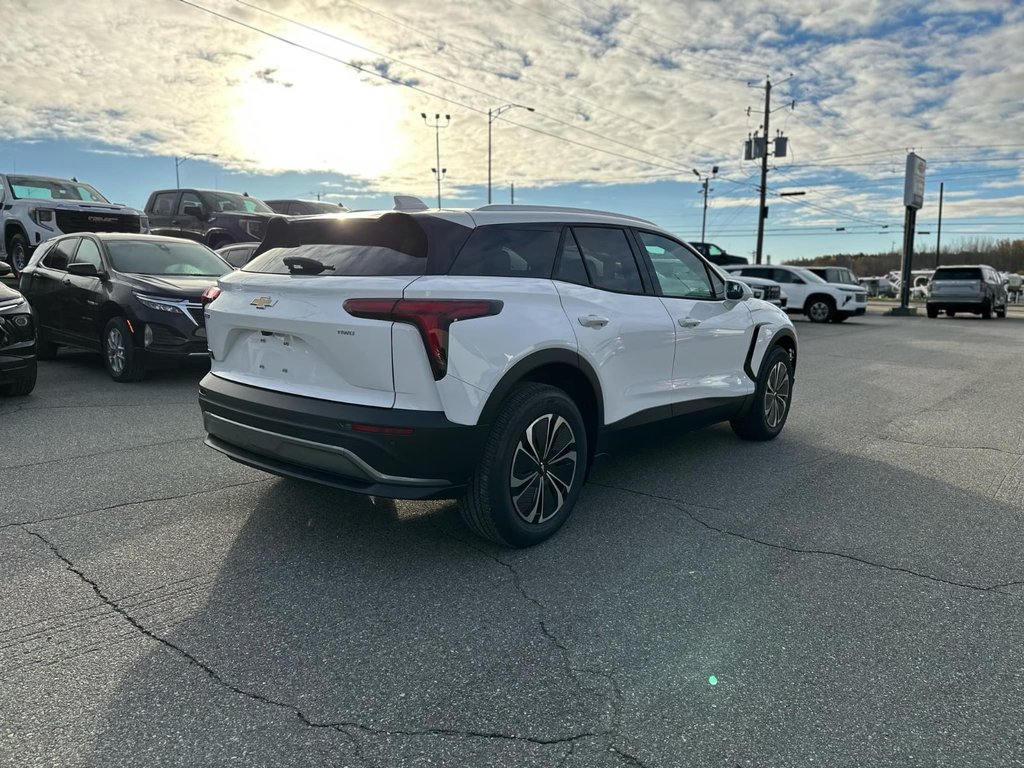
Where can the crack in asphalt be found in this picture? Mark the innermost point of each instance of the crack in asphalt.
(341, 726)
(111, 452)
(883, 439)
(991, 589)
(628, 758)
(56, 518)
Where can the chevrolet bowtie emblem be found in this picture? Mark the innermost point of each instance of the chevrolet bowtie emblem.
(262, 302)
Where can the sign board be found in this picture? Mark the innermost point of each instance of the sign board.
(913, 186)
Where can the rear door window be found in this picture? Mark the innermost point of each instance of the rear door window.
(508, 251)
(609, 259)
(60, 255)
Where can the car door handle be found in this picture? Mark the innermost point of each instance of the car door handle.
(593, 321)
(688, 322)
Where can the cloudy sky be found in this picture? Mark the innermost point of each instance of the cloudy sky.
(299, 97)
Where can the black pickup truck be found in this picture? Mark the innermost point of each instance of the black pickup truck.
(213, 218)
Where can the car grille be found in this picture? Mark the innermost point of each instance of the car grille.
(96, 221)
(772, 292)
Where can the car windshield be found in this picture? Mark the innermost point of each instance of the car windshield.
(228, 201)
(34, 187)
(150, 257)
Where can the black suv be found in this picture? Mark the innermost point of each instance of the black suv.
(716, 255)
(209, 217)
(17, 341)
(134, 298)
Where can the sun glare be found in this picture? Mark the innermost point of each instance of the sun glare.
(296, 111)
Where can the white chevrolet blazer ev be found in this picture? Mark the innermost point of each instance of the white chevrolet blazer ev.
(483, 354)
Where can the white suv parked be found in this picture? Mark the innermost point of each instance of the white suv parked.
(821, 301)
(481, 354)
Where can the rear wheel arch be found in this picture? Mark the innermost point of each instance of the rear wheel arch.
(561, 368)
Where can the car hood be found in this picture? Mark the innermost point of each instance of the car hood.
(762, 281)
(81, 205)
(8, 294)
(183, 286)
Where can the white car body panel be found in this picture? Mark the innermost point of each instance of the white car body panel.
(303, 342)
(632, 353)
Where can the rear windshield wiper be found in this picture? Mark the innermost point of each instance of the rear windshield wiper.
(300, 265)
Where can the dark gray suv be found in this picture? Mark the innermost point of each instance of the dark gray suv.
(211, 217)
(973, 288)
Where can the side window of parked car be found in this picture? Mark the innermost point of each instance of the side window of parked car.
(570, 267)
(89, 253)
(188, 198)
(508, 251)
(163, 204)
(680, 273)
(782, 276)
(609, 259)
(60, 255)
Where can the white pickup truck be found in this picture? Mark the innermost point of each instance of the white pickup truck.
(36, 208)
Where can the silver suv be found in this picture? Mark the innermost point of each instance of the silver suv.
(971, 288)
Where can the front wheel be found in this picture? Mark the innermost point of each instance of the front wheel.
(122, 360)
(767, 415)
(820, 311)
(986, 311)
(932, 312)
(531, 470)
(18, 253)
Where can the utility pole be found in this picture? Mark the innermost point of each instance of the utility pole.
(762, 213)
(704, 184)
(759, 148)
(437, 125)
(938, 237)
(492, 115)
(512, 193)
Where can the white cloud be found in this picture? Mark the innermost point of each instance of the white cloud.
(660, 82)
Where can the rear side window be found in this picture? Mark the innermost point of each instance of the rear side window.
(163, 204)
(957, 273)
(60, 255)
(609, 259)
(508, 251)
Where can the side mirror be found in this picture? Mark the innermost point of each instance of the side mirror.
(191, 209)
(5, 269)
(737, 291)
(83, 269)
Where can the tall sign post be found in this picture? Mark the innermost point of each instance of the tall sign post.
(913, 199)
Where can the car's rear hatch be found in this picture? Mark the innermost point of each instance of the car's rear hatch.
(957, 283)
(280, 323)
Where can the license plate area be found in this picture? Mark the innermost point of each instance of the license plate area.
(275, 354)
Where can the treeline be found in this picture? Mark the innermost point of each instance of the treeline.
(1005, 255)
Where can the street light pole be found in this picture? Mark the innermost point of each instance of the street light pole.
(179, 160)
(437, 125)
(492, 115)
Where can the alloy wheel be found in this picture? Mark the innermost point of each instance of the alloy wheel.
(544, 468)
(19, 257)
(819, 311)
(776, 395)
(115, 351)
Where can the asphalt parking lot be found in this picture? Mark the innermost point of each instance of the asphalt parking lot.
(854, 589)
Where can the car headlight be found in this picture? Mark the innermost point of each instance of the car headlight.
(159, 303)
(42, 216)
(758, 292)
(254, 227)
(143, 223)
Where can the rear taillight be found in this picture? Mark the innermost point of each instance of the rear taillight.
(432, 317)
(209, 295)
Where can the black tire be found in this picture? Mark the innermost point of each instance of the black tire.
(986, 311)
(18, 252)
(45, 349)
(1001, 312)
(22, 385)
(820, 309)
(951, 313)
(763, 421)
(489, 508)
(932, 312)
(120, 356)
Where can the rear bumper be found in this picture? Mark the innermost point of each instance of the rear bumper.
(317, 440)
(966, 304)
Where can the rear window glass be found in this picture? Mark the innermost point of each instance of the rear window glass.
(506, 251)
(958, 273)
(346, 260)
